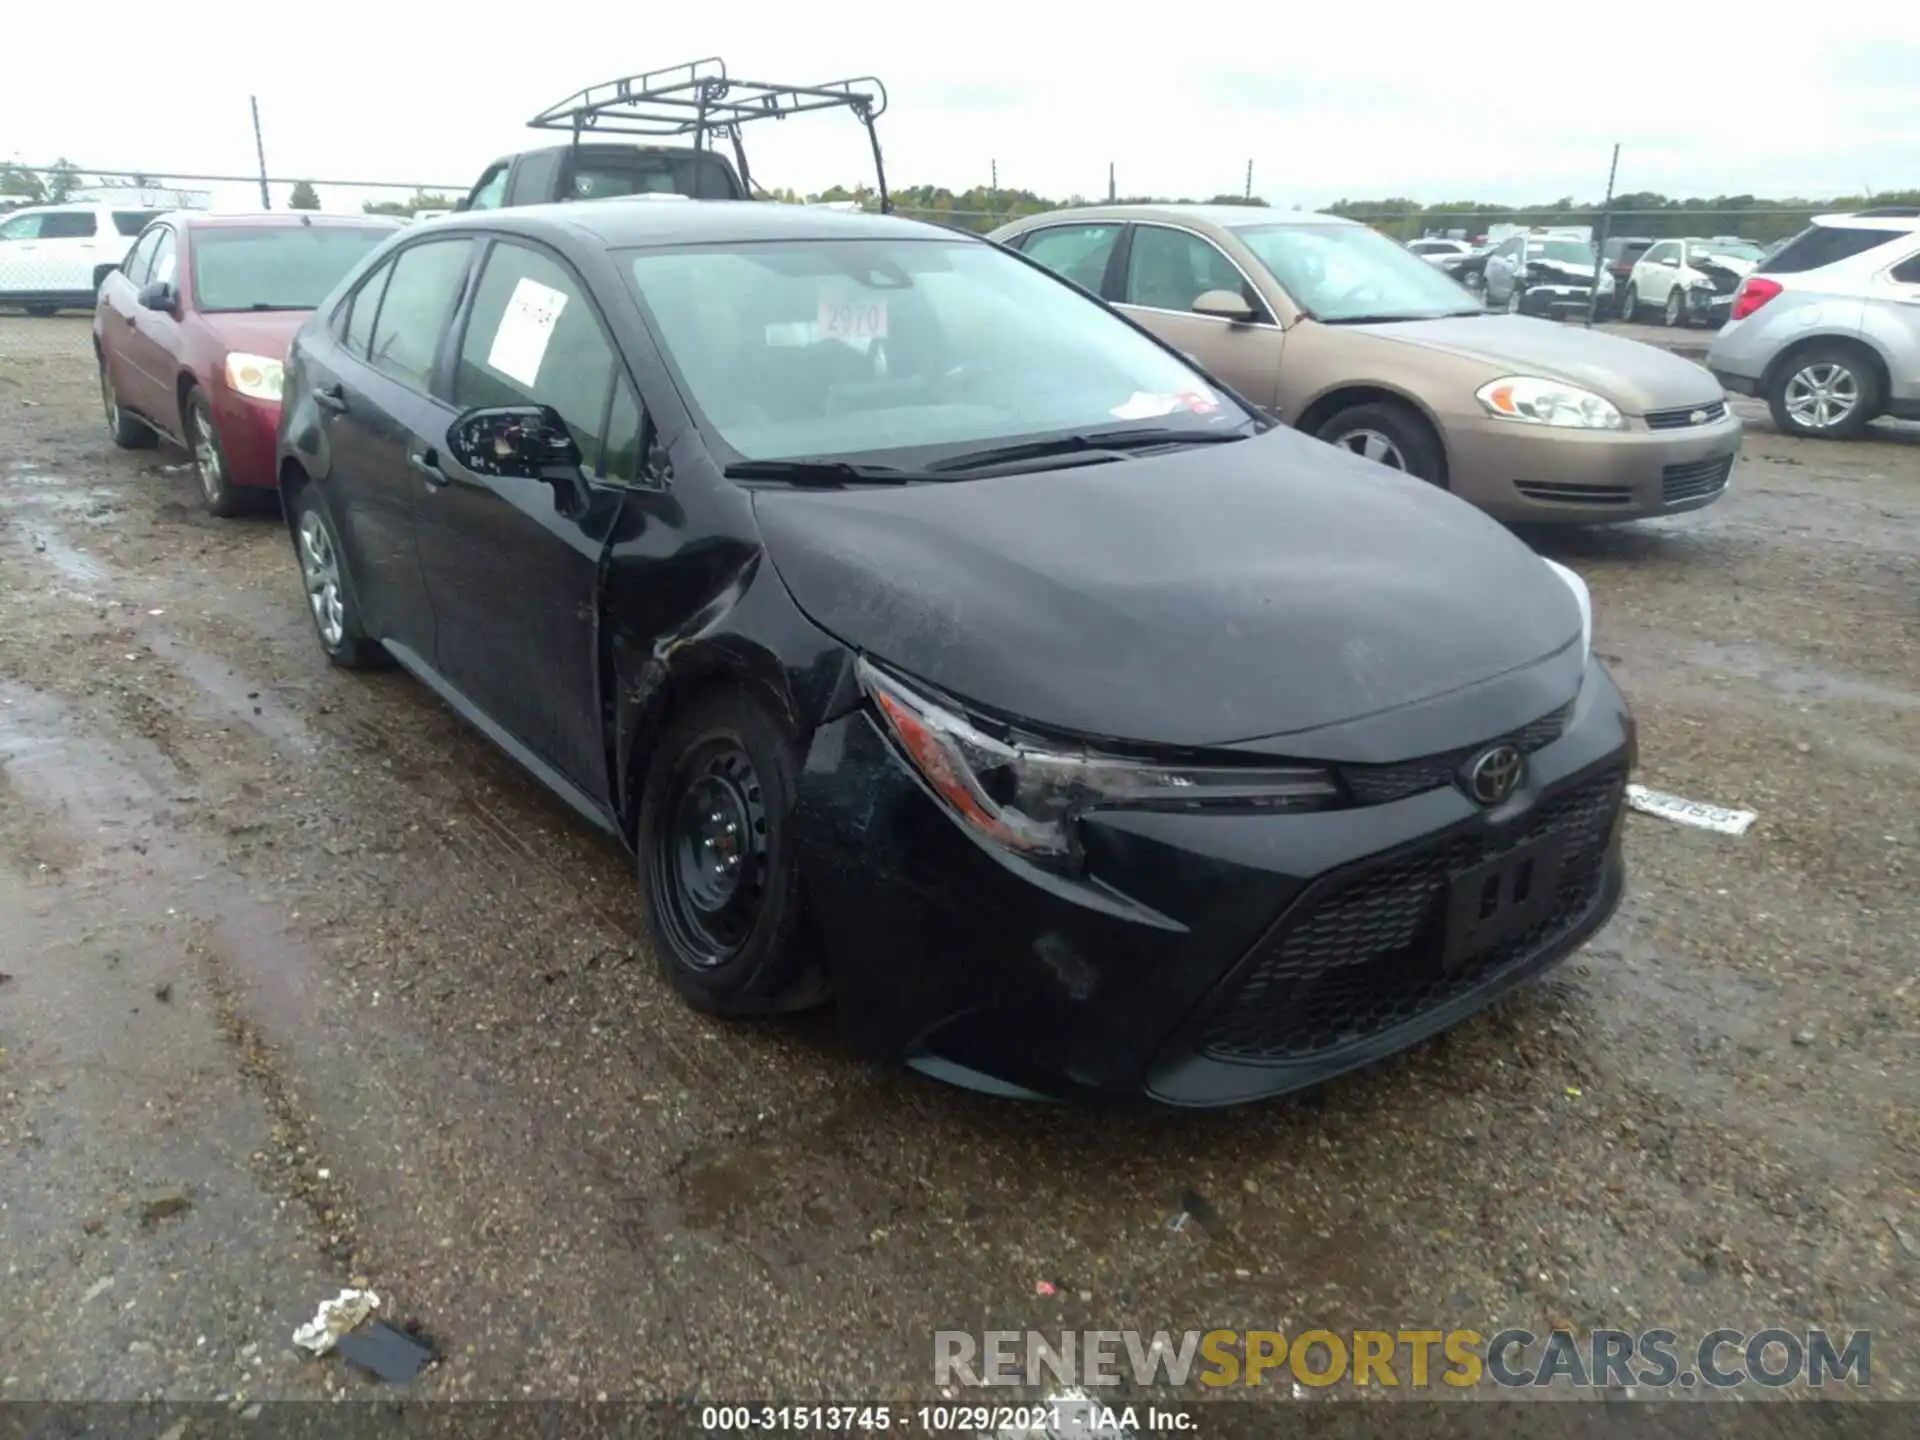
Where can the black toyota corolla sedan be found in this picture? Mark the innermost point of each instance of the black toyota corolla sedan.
(943, 644)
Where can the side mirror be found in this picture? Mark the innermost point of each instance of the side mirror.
(157, 296)
(1223, 305)
(526, 442)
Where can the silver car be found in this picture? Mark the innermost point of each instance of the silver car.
(1827, 329)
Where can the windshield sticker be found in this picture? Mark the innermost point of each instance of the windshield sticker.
(1143, 406)
(841, 319)
(520, 344)
(1198, 401)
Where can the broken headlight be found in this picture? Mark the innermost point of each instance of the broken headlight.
(1024, 793)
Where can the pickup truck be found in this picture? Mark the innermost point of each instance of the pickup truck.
(697, 101)
(594, 171)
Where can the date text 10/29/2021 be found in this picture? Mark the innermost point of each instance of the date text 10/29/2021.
(1052, 1417)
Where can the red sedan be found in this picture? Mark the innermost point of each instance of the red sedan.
(191, 331)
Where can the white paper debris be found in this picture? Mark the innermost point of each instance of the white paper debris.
(1683, 811)
(335, 1318)
(520, 344)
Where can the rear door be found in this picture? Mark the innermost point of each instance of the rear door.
(1658, 269)
(1082, 252)
(513, 574)
(1166, 270)
(385, 427)
(1891, 319)
(72, 248)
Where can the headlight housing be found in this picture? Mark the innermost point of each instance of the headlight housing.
(1538, 401)
(1024, 794)
(256, 376)
(1584, 596)
(1606, 282)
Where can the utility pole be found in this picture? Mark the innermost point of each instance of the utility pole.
(1247, 194)
(1600, 239)
(995, 164)
(1112, 194)
(260, 150)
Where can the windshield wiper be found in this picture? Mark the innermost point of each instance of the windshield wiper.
(1092, 442)
(1376, 319)
(826, 473)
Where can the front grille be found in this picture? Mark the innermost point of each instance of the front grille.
(1682, 418)
(1383, 784)
(1363, 956)
(1561, 493)
(1694, 479)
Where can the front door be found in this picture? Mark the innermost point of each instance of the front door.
(513, 565)
(1166, 271)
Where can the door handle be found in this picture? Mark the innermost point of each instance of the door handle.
(331, 397)
(428, 464)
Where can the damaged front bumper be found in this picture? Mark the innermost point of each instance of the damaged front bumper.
(1198, 958)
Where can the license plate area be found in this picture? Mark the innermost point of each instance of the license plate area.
(1499, 899)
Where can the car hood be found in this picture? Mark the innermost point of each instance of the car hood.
(1636, 377)
(256, 332)
(1731, 263)
(1202, 597)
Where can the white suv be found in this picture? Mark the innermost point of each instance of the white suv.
(54, 257)
(1827, 329)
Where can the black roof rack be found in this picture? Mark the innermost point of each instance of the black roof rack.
(699, 100)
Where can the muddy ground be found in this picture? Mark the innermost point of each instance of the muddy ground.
(305, 983)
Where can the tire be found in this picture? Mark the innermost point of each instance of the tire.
(1629, 304)
(223, 498)
(1838, 370)
(1674, 313)
(330, 595)
(718, 864)
(129, 432)
(1365, 429)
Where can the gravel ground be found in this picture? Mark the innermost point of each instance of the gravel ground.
(305, 983)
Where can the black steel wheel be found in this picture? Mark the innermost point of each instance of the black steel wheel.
(717, 861)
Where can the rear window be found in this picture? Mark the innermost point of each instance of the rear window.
(670, 174)
(1824, 245)
(66, 225)
(132, 222)
(290, 267)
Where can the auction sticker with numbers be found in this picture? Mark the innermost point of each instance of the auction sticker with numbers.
(856, 318)
(520, 344)
(1689, 812)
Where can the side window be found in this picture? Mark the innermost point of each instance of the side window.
(491, 190)
(129, 222)
(69, 225)
(140, 258)
(533, 339)
(413, 313)
(164, 257)
(630, 439)
(1823, 245)
(1170, 269)
(1074, 252)
(354, 324)
(22, 227)
(1907, 272)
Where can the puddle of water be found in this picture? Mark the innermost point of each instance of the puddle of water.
(1748, 663)
(74, 563)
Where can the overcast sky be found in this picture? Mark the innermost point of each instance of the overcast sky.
(1431, 101)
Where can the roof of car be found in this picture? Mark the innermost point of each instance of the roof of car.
(623, 222)
(276, 219)
(1868, 220)
(1226, 217)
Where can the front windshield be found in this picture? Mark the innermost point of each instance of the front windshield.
(278, 267)
(802, 349)
(1349, 272)
(1567, 252)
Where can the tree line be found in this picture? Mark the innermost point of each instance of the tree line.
(983, 207)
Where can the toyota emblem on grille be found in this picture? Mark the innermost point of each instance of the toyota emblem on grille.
(1698, 417)
(1492, 774)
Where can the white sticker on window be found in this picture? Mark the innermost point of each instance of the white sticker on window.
(520, 344)
(855, 319)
